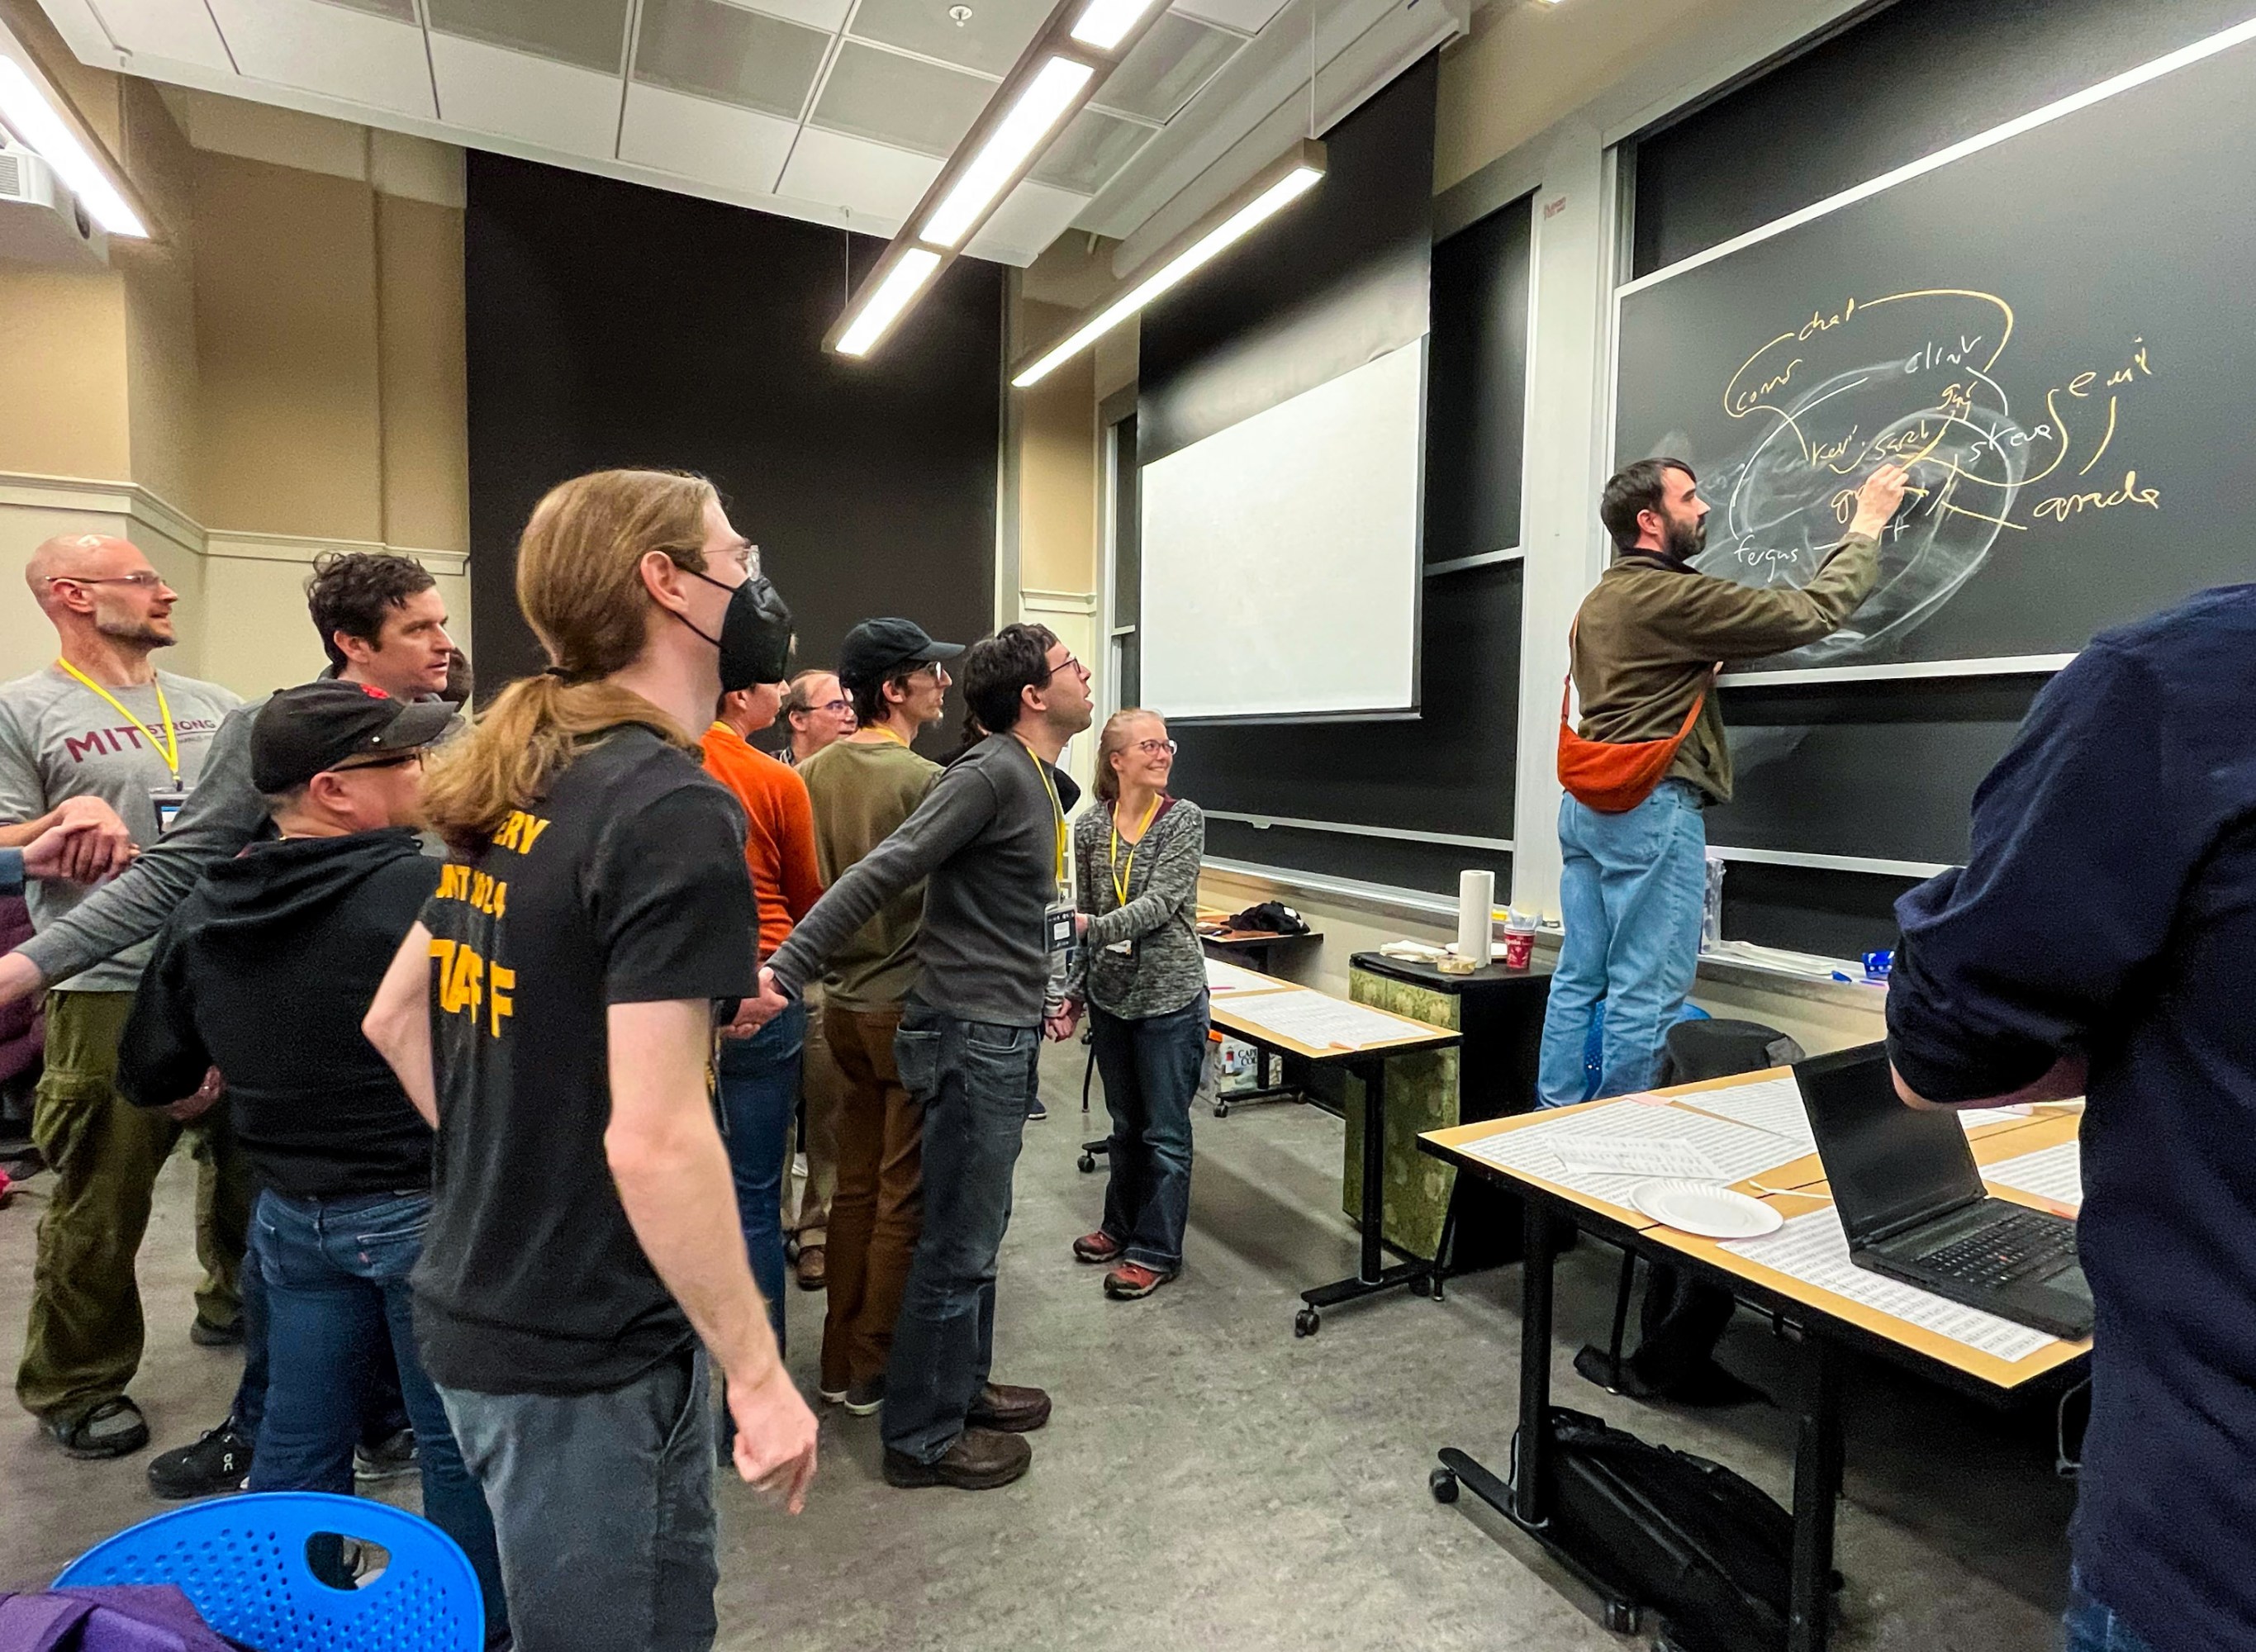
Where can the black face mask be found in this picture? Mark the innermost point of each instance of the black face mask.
(755, 640)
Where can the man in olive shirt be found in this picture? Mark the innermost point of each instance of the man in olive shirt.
(1647, 641)
(862, 786)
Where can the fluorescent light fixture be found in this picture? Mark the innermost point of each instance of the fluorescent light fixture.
(1039, 107)
(1270, 196)
(1104, 23)
(903, 282)
(25, 109)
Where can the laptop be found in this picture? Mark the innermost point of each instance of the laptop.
(1908, 1194)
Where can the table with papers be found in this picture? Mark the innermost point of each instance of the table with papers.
(1579, 1166)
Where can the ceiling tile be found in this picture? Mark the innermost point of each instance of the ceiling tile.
(740, 57)
(1175, 57)
(397, 11)
(328, 49)
(1030, 218)
(591, 33)
(1247, 17)
(900, 100)
(880, 184)
(702, 139)
(177, 30)
(528, 98)
(829, 16)
(1091, 149)
(991, 38)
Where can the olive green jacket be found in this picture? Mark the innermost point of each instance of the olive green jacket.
(1652, 629)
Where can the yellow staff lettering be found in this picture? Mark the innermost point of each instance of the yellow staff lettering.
(499, 1002)
(520, 831)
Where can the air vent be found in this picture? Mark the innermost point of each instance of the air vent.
(11, 176)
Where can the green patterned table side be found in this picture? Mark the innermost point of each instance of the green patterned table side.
(1421, 1095)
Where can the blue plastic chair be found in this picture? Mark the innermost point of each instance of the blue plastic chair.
(241, 1563)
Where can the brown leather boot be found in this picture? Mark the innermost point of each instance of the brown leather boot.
(980, 1460)
(1011, 1410)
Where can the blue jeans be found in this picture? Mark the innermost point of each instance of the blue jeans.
(759, 1089)
(1151, 1068)
(1631, 890)
(382, 1414)
(336, 1289)
(2092, 1626)
(975, 1079)
(604, 1503)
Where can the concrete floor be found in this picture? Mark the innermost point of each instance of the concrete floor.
(1208, 1480)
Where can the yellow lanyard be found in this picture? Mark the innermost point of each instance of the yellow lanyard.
(1121, 876)
(169, 747)
(1057, 809)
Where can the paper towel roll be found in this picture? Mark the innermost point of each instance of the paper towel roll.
(1475, 895)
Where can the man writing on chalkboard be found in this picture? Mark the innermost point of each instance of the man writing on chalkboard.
(1649, 754)
(1647, 757)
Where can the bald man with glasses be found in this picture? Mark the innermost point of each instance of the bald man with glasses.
(102, 738)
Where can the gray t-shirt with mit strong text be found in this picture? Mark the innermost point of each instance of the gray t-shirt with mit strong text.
(59, 739)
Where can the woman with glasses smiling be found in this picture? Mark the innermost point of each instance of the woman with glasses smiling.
(1144, 976)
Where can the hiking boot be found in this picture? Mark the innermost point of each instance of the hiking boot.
(1008, 1410)
(209, 1333)
(980, 1460)
(219, 1462)
(115, 1427)
(385, 1459)
(1099, 1246)
(1132, 1279)
(866, 1399)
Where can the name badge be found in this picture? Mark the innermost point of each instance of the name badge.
(1057, 923)
(167, 801)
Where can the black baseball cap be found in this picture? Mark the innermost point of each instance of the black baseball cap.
(309, 730)
(877, 648)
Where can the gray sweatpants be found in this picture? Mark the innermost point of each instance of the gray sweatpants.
(602, 1504)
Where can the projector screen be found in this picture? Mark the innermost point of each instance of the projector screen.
(1280, 556)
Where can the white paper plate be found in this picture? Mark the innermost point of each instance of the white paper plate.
(1702, 1208)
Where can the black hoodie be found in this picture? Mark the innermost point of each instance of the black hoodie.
(265, 971)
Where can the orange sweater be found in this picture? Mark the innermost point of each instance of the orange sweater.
(779, 847)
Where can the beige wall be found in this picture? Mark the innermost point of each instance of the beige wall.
(279, 371)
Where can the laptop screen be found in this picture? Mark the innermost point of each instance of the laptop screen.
(1889, 1164)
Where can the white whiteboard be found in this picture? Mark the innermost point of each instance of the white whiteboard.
(1280, 556)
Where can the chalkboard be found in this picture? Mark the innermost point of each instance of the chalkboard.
(2055, 332)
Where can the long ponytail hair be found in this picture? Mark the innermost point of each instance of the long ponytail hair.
(579, 586)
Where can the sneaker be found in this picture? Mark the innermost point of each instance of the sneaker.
(1035, 1113)
(866, 1399)
(1009, 1410)
(386, 1459)
(1132, 1280)
(813, 1267)
(834, 1397)
(1099, 1246)
(209, 1333)
(980, 1460)
(114, 1428)
(219, 1462)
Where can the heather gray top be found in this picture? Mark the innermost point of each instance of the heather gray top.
(984, 841)
(1165, 968)
(59, 739)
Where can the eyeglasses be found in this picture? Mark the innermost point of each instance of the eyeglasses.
(1155, 748)
(404, 758)
(147, 579)
(836, 707)
(1071, 664)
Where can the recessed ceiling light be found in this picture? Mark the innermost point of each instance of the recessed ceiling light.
(1104, 23)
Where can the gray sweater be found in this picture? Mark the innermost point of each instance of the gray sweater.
(1166, 969)
(984, 841)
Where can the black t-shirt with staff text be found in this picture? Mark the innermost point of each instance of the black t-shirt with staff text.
(625, 885)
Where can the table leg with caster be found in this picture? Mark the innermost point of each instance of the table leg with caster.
(1371, 1276)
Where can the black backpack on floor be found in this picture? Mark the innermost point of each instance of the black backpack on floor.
(1704, 1549)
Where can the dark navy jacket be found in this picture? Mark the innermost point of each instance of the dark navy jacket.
(2109, 907)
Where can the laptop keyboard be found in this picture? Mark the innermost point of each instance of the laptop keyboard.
(2013, 1247)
